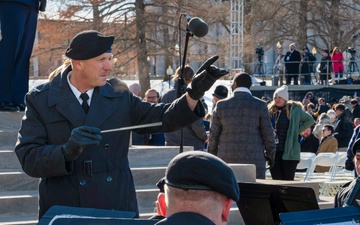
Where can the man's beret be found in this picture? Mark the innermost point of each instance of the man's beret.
(356, 146)
(89, 44)
(200, 170)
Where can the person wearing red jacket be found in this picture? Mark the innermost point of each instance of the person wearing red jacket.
(337, 59)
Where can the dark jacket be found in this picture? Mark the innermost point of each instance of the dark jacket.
(309, 144)
(292, 62)
(343, 130)
(52, 113)
(356, 112)
(186, 218)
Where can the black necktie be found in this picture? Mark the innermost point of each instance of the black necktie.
(84, 104)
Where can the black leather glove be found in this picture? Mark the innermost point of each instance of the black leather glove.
(204, 78)
(79, 139)
(349, 165)
(270, 157)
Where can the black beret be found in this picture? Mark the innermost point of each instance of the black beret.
(89, 44)
(221, 91)
(200, 170)
(356, 146)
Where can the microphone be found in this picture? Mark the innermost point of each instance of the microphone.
(196, 25)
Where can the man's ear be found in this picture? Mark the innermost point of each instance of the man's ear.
(78, 64)
(226, 210)
(161, 204)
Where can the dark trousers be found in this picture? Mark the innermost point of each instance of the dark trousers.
(288, 79)
(18, 28)
(283, 169)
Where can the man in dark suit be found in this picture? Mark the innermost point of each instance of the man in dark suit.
(18, 19)
(292, 63)
(61, 139)
(241, 130)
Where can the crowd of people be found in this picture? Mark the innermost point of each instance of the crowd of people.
(295, 64)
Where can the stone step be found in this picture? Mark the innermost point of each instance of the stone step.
(19, 204)
(8, 139)
(17, 180)
(153, 156)
(10, 120)
(9, 160)
(19, 221)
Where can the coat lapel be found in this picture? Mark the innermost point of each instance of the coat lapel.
(102, 103)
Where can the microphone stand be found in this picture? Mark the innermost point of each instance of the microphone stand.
(180, 82)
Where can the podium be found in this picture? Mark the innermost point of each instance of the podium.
(261, 204)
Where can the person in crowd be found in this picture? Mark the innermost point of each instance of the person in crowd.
(135, 88)
(308, 141)
(322, 107)
(199, 189)
(288, 121)
(307, 65)
(279, 66)
(332, 115)
(345, 191)
(323, 119)
(80, 162)
(343, 127)
(292, 63)
(328, 144)
(18, 21)
(308, 98)
(194, 134)
(220, 92)
(152, 96)
(355, 108)
(349, 164)
(310, 109)
(325, 68)
(233, 116)
(337, 60)
(333, 102)
(356, 122)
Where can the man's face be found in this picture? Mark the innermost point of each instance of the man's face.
(325, 132)
(306, 133)
(357, 162)
(291, 47)
(94, 71)
(338, 112)
(152, 97)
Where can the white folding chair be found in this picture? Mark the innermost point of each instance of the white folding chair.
(306, 159)
(322, 159)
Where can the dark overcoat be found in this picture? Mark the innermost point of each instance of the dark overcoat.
(100, 177)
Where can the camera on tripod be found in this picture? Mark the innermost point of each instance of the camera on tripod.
(351, 50)
(259, 51)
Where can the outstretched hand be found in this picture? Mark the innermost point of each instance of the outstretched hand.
(204, 78)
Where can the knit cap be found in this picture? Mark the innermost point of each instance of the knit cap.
(282, 92)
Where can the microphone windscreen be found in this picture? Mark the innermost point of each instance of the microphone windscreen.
(198, 27)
